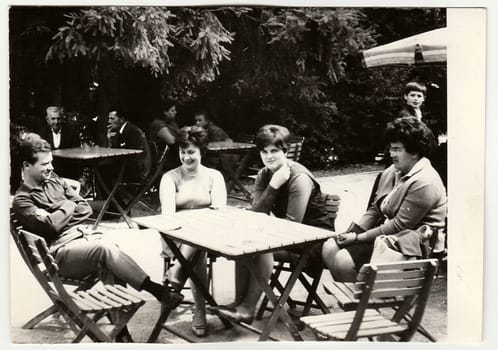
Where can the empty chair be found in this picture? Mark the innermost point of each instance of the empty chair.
(407, 283)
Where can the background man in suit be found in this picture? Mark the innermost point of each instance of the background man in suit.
(123, 134)
(61, 135)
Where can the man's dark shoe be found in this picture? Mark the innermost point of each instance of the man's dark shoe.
(171, 299)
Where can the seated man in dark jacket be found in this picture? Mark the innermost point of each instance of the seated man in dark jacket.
(123, 134)
(47, 206)
(216, 134)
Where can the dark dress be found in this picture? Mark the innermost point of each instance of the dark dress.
(292, 202)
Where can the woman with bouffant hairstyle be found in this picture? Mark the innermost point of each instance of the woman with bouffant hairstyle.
(410, 194)
(192, 186)
(287, 190)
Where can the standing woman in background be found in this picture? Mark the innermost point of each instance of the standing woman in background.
(192, 186)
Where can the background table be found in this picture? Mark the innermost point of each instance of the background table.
(92, 156)
(239, 235)
(232, 147)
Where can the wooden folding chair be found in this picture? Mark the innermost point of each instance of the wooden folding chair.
(406, 283)
(81, 284)
(295, 148)
(145, 189)
(244, 137)
(81, 309)
(342, 292)
(309, 280)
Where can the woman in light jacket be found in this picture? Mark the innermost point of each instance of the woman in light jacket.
(410, 194)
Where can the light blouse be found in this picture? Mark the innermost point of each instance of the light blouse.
(179, 190)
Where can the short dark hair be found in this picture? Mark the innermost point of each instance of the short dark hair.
(167, 104)
(415, 136)
(272, 134)
(193, 135)
(118, 113)
(414, 86)
(202, 112)
(30, 146)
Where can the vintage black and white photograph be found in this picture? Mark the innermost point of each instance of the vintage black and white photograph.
(188, 174)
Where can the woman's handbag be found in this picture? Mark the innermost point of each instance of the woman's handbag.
(385, 251)
(404, 245)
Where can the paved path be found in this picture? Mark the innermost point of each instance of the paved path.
(354, 191)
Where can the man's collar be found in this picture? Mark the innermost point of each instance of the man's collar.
(24, 188)
(27, 188)
(122, 127)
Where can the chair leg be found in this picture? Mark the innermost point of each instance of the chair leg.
(72, 320)
(290, 301)
(40, 317)
(159, 324)
(313, 295)
(273, 282)
(421, 329)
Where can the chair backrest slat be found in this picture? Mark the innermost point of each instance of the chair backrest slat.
(295, 147)
(35, 246)
(395, 292)
(245, 137)
(394, 274)
(391, 284)
(331, 203)
(400, 265)
(398, 279)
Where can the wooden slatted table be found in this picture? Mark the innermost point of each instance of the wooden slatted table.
(233, 147)
(92, 156)
(239, 235)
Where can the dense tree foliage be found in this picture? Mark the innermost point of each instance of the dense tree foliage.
(248, 66)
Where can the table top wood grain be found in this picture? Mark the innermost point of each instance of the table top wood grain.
(94, 152)
(234, 232)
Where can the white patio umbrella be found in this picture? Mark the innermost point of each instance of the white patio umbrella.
(417, 49)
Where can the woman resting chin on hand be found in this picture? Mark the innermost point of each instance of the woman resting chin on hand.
(287, 190)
